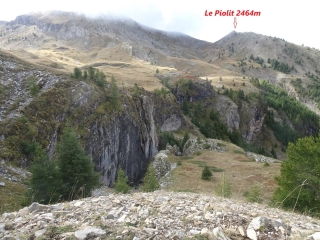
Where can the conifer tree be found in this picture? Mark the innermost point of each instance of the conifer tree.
(121, 185)
(77, 73)
(150, 181)
(299, 180)
(91, 72)
(76, 168)
(45, 182)
(114, 95)
(206, 173)
(85, 75)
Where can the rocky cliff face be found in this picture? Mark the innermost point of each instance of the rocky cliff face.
(201, 91)
(228, 111)
(125, 142)
(254, 119)
(125, 138)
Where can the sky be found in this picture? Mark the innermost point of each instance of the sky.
(293, 21)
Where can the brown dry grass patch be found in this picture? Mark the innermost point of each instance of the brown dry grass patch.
(242, 172)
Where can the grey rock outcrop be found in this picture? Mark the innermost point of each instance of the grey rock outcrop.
(202, 90)
(253, 121)
(124, 142)
(171, 124)
(193, 145)
(228, 111)
(266, 228)
(160, 164)
(261, 158)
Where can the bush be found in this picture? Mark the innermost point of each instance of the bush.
(206, 173)
(121, 185)
(224, 187)
(33, 87)
(150, 181)
(253, 195)
(206, 146)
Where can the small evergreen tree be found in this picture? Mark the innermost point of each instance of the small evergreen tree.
(76, 168)
(100, 78)
(150, 181)
(114, 95)
(45, 181)
(299, 180)
(85, 75)
(77, 73)
(121, 185)
(206, 173)
(91, 72)
(185, 107)
(157, 71)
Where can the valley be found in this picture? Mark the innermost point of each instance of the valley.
(245, 95)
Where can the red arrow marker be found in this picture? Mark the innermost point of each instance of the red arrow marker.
(235, 22)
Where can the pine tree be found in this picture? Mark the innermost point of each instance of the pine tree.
(121, 185)
(77, 73)
(150, 181)
(75, 167)
(91, 72)
(114, 95)
(100, 78)
(45, 182)
(185, 107)
(85, 75)
(299, 180)
(206, 173)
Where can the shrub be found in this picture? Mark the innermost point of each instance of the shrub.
(224, 187)
(206, 173)
(253, 195)
(121, 185)
(266, 164)
(33, 87)
(198, 153)
(206, 146)
(150, 181)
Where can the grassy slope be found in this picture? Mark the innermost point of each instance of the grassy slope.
(11, 196)
(242, 172)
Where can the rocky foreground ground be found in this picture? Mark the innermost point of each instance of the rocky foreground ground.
(157, 215)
